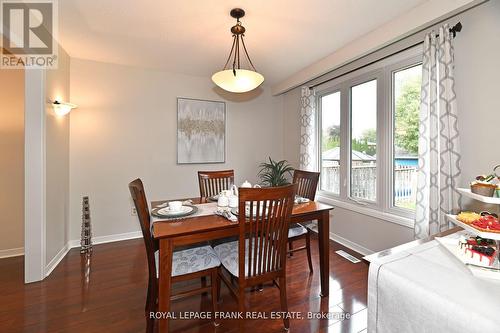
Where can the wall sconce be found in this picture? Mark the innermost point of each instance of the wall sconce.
(62, 108)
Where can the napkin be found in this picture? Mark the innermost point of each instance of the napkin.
(227, 214)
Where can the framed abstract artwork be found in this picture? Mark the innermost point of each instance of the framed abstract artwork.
(201, 131)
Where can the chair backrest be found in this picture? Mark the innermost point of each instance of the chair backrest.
(141, 205)
(213, 182)
(307, 183)
(264, 217)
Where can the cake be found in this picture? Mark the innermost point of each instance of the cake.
(475, 241)
(481, 255)
(478, 250)
(468, 217)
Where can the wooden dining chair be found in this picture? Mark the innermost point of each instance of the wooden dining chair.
(187, 264)
(213, 182)
(307, 183)
(259, 254)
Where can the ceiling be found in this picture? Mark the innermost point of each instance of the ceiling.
(192, 37)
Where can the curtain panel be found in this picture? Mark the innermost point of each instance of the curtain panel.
(439, 151)
(308, 141)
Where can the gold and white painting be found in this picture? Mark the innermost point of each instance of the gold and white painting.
(201, 131)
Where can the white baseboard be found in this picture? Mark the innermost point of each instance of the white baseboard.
(116, 238)
(351, 245)
(343, 241)
(19, 251)
(56, 260)
(109, 238)
(96, 240)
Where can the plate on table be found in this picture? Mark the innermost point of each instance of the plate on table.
(165, 212)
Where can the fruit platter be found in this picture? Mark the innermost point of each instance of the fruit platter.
(484, 224)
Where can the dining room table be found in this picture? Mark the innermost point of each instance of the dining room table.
(197, 229)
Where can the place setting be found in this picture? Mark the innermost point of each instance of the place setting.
(174, 209)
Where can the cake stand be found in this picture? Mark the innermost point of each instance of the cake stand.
(474, 231)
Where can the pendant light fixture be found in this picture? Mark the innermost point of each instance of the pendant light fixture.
(234, 78)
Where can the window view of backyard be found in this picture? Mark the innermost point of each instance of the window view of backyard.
(330, 143)
(406, 96)
(364, 141)
(363, 161)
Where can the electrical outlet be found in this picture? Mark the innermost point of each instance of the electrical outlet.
(133, 211)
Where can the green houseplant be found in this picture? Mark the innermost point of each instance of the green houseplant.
(275, 173)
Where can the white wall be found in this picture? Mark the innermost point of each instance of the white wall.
(477, 50)
(56, 161)
(125, 127)
(11, 162)
(478, 85)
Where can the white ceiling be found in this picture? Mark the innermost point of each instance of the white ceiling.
(192, 37)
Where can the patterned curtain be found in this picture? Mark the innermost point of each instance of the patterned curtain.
(439, 156)
(308, 156)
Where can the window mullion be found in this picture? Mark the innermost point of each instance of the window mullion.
(345, 129)
(381, 139)
(386, 118)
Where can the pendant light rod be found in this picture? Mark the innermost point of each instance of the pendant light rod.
(238, 32)
(230, 53)
(246, 53)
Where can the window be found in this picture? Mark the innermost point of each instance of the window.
(330, 142)
(364, 141)
(406, 105)
(368, 135)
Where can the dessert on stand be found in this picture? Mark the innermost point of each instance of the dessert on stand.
(478, 245)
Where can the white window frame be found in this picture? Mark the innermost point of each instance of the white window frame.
(319, 95)
(390, 71)
(364, 78)
(382, 71)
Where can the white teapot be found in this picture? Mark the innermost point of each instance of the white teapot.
(246, 184)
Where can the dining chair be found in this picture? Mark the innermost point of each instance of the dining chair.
(307, 183)
(213, 182)
(187, 264)
(259, 254)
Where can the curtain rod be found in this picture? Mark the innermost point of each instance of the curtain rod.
(456, 28)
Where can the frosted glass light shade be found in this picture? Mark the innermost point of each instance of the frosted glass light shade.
(62, 108)
(244, 80)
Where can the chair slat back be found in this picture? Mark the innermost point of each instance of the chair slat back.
(213, 182)
(307, 183)
(264, 217)
(141, 205)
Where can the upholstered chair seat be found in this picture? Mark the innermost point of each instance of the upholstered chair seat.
(191, 260)
(296, 230)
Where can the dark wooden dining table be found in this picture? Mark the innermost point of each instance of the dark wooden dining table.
(192, 230)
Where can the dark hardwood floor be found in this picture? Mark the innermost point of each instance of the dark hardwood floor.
(106, 293)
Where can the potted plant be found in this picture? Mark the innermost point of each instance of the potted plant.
(275, 173)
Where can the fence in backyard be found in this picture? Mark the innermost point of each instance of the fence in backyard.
(364, 180)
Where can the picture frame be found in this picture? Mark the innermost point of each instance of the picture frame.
(201, 131)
